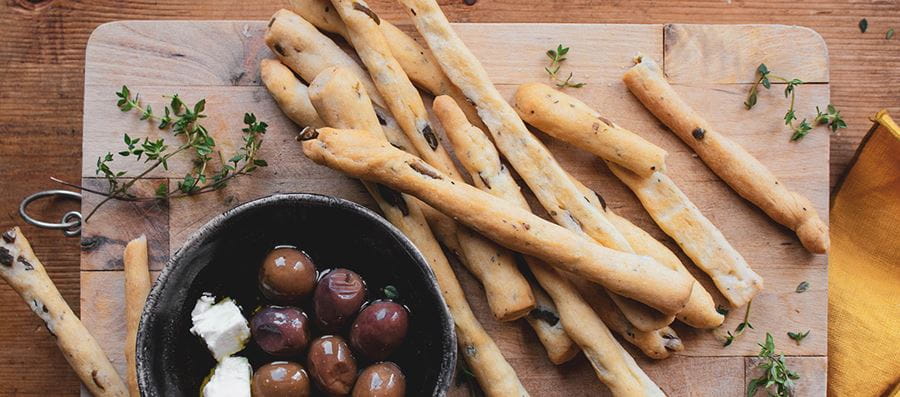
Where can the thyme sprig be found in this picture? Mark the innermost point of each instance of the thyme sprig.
(800, 128)
(557, 57)
(798, 336)
(729, 339)
(775, 372)
(183, 121)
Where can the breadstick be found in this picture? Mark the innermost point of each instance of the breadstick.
(362, 154)
(568, 119)
(729, 160)
(612, 364)
(678, 217)
(525, 152)
(508, 292)
(417, 61)
(456, 124)
(479, 158)
(301, 47)
(137, 286)
(26, 275)
(293, 97)
(342, 102)
(544, 319)
(657, 344)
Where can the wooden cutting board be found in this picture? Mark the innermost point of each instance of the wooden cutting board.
(710, 65)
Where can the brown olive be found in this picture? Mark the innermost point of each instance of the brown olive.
(331, 365)
(287, 276)
(280, 330)
(380, 380)
(280, 379)
(379, 329)
(338, 297)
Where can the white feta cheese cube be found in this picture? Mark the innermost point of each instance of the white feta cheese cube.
(221, 325)
(231, 378)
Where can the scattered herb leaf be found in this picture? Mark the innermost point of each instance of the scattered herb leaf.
(557, 57)
(863, 25)
(730, 337)
(890, 34)
(832, 118)
(802, 287)
(798, 336)
(390, 292)
(775, 372)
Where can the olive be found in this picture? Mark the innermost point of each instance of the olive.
(280, 379)
(380, 380)
(287, 276)
(331, 365)
(338, 297)
(280, 330)
(379, 329)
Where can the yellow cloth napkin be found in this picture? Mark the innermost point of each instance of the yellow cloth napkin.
(864, 269)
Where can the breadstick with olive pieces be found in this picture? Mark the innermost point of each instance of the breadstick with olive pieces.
(729, 160)
(417, 61)
(510, 297)
(640, 315)
(531, 159)
(570, 120)
(26, 275)
(479, 157)
(342, 102)
(137, 287)
(362, 154)
(678, 217)
(544, 319)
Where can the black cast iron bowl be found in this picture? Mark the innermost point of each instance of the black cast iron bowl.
(223, 257)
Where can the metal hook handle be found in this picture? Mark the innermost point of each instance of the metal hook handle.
(71, 221)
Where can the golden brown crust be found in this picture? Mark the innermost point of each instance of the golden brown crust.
(22, 270)
(418, 62)
(290, 94)
(361, 154)
(137, 286)
(582, 215)
(570, 120)
(343, 102)
(729, 160)
(678, 217)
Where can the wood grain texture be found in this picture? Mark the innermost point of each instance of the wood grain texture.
(41, 90)
(513, 54)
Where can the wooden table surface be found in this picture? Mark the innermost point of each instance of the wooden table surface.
(41, 90)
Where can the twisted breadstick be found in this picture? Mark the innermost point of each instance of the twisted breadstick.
(137, 287)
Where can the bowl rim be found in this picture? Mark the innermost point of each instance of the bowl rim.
(449, 345)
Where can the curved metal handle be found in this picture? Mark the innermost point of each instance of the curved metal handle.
(71, 221)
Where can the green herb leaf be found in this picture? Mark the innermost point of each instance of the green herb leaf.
(890, 34)
(802, 287)
(775, 372)
(863, 25)
(390, 292)
(801, 130)
(557, 56)
(798, 336)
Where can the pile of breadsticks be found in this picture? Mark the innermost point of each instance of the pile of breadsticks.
(594, 272)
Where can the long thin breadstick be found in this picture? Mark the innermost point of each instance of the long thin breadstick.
(137, 286)
(678, 217)
(568, 119)
(477, 155)
(509, 293)
(738, 168)
(362, 154)
(341, 101)
(292, 98)
(545, 320)
(530, 158)
(26, 275)
(572, 121)
(417, 61)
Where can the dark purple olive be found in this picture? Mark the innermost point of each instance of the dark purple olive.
(280, 379)
(338, 297)
(380, 380)
(379, 329)
(280, 330)
(287, 276)
(331, 365)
